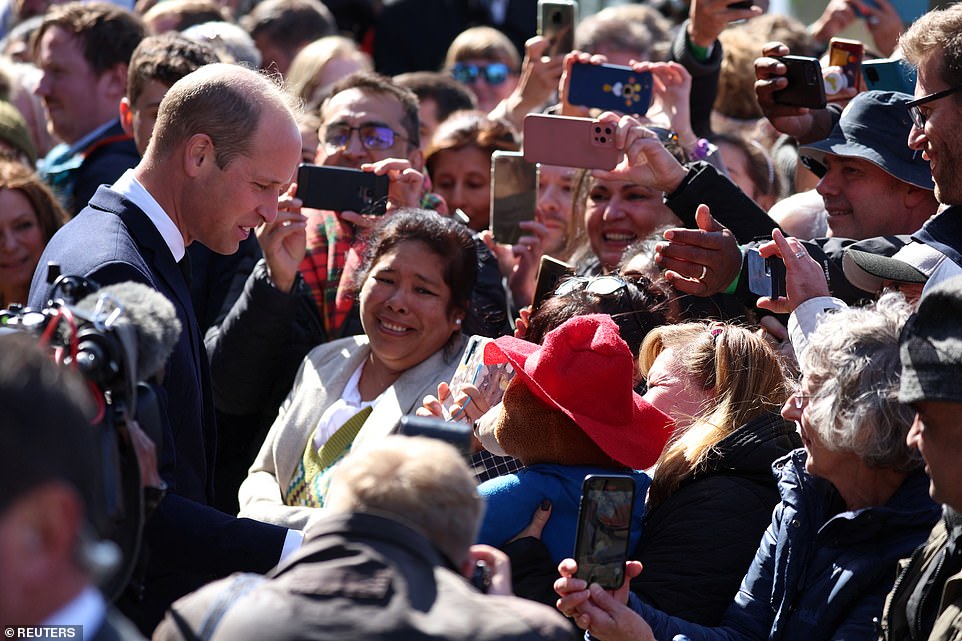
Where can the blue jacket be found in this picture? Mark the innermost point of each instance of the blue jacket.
(512, 499)
(821, 572)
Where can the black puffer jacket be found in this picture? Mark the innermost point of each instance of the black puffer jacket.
(697, 545)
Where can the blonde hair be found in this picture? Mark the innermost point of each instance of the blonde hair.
(748, 381)
(309, 63)
(486, 43)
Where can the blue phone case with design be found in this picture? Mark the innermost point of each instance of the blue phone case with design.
(610, 87)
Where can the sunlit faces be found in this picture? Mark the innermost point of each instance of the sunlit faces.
(21, 244)
(244, 194)
(75, 99)
(143, 113)
(862, 200)
(941, 140)
(937, 433)
(618, 213)
(488, 94)
(404, 305)
(672, 390)
(463, 178)
(821, 460)
(355, 108)
(553, 210)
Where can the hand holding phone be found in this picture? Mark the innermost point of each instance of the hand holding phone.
(610, 87)
(847, 56)
(806, 88)
(766, 276)
(490, 380)
(556, 22)
(342, 189)
(570, 142)
(604, 529)
(514, 194)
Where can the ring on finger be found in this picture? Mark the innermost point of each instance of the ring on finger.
(800, 253)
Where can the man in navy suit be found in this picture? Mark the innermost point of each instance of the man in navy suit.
(225, 147)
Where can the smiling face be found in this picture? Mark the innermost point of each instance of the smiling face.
(355, 108)
(244, 194)
(822, 461)
(21, 244)
(553, 210)
(404, 304)
(463, 178)
(76, 100)
(941, 139)
(618, 213)
(673, 390)
(863, 200)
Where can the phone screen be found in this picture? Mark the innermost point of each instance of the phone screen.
(514, 194)
(604, 529)
(491, 380)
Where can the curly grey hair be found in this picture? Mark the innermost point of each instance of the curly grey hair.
(853, 363)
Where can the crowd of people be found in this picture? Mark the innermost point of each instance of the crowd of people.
(755, 328)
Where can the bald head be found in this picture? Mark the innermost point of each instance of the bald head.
(226, 102)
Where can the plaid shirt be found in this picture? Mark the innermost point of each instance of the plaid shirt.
(329, 240)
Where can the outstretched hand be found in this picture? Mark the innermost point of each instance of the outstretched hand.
(701, 261)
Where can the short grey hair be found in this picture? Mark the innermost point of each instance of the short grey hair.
(852, 362)
(421, 482)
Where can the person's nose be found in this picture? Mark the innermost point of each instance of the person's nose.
(917, 138)
(790, 411)
(398, 300)
(7, 240)
(915, 432)
(43, 85)
(268, 209)
(827, 185)
(614, 211)
(548, 200)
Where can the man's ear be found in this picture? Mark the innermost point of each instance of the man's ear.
(126, 116)
(916, 196)
(198, 154)
(115, 80)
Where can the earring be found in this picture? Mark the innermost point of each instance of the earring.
(457, 321)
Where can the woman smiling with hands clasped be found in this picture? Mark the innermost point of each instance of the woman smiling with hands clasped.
(854, 499)
(414, 290)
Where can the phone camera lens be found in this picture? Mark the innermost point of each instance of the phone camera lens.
(608, 130)
(556, 18)
(602, 139)
(597, 129)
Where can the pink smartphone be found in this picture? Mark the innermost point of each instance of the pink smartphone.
(570, 142)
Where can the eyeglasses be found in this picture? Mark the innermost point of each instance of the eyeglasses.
(599, 285)
(494, 73)
(918, 117)
(799, 398)
(373, 137)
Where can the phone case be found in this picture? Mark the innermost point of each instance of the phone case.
(514, 194)
(556, 22)
(805, 85)
(550, 271)
(889, 74)
(491, 380)
(570, 142)
(766, 276)
(604, 529)
(610, 87)
(847, 54)
(342, 189)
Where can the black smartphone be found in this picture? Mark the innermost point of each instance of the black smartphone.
(556, 22)
(342, 189)
(604, 528)
(514, 194)
(766, 276)
(806, 88)
(550, 271)
(610, 87)
(456, 433)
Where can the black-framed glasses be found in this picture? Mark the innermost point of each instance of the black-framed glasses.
(494, 73)
(373, 137)
(918, 117)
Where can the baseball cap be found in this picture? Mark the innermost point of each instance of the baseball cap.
(868, 270)
(931, 347)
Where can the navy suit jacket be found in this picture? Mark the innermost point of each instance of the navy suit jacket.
(188, 542)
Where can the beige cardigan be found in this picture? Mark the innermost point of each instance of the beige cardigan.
(319, 383)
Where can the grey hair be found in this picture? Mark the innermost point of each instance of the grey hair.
(853, 363)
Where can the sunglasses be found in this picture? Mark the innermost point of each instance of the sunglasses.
(920, 118)
(373, 137)
(494, 73)
(605, 286)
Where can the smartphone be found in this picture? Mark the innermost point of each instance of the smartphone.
(342, 189)
(889, 74)
(550, 271)
(604, 529)
(805, 85)
(556, 22)
(514, 194)
(457, 434)
(847, 54)
(491, 380)
(610, 87)
(570, 142)
(741, 4)
(909, 10)
(766, 276)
